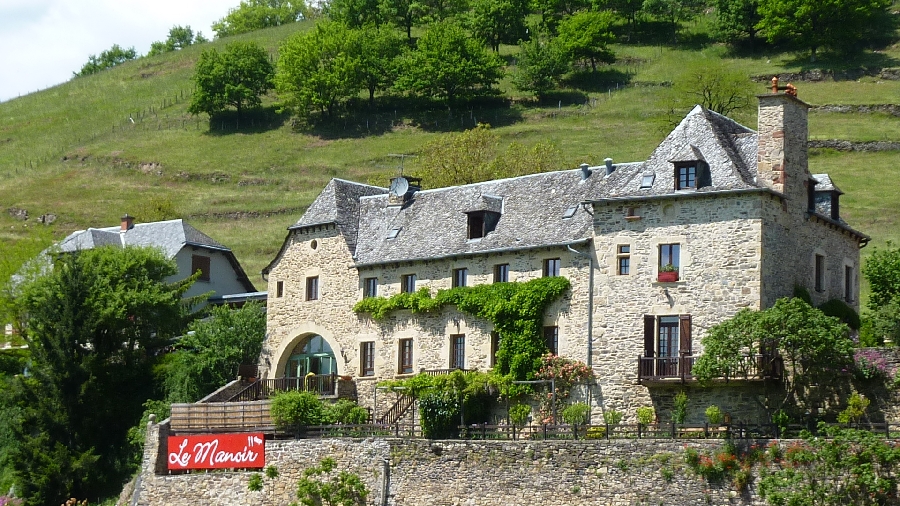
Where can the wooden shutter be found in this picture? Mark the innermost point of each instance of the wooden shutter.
(649, 335)
(684, 334)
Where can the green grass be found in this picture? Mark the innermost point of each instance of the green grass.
(71, 150)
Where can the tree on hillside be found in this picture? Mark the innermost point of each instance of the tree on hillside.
(552, 11)
(253, 15)
(586, 35)
(441, 10)
(540, 65)
(107, 59)
(354, 13)
(378, 49)
(737, 20)
(813, 346)
(627, 9)
(674, 11)
(712, 84)
(449, 64)
(404, 14)
(499, 21)
(835, 24)
(93, 324)
(209, 355)
(180, 37)
(237, 78)
(318, 69)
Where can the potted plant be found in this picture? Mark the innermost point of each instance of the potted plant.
(668, 274)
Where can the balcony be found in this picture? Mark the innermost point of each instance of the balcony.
(668, 370)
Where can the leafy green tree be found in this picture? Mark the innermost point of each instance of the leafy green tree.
(674, 11)
(459, 158)
(540, 65)
(318, 69)
(378, 50)
(882, 270)
(552, 11)
(499, 21)
(586, 35)
(93, 324)
(812, 345)
(209, 355)
(449, 64)
(343, 489)
(813, 24)
(737, 20)
(354, 13)
(19, 258)
(107, 59)
(180, 37)
(404, 14)
(714, 85)
(253, 15)
(441, 10)
(627, 9)
(237, 78)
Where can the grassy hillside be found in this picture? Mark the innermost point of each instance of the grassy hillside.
(96, 147)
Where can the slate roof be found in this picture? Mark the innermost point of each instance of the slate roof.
(169, 236)
(433, 223)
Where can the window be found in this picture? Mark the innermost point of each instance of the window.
(623, 259)
(200, 263)
(457, 351)
(393, 233)
(312, 288)
(370, 287)
(551, 267)
(408, 283)
(848, 283)
(570, 212)
(647, 180)
(406, 356)
(481, 223)
(551, 339)
(459, 277)
(367, 358)
(279, 289)
(669, 255)
(501, 273)
(666, 339)
(495, 347)
(820, 273)
(687, 177)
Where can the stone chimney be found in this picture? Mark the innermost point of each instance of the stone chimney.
(782, 158)
(127, 223)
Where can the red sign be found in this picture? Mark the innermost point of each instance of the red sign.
(220, 451)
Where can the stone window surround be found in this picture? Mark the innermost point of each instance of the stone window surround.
(279, 289)
(850, 267)
(408, 282)
(367, 366)
(459, 276)
(401, 342)
(684, 254)
(819, 277)
(622, 255)
(551, 267)
(370, 287)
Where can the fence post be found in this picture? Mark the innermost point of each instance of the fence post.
(706, 430)
(607, 431)
(639, 430)
(674, 433)
(575, 431)
(545, 431)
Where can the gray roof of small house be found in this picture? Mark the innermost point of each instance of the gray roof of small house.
(170, 236)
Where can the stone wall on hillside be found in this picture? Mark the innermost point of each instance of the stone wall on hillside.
(472, 473)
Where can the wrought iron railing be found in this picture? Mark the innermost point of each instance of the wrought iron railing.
(319, 384)
(749, 367)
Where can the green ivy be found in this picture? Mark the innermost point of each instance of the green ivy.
(516, 310)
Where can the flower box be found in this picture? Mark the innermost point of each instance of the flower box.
(667, 276)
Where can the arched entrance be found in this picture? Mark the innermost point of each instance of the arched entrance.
(313, 355)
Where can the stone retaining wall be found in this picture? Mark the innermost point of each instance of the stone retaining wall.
(436, 473)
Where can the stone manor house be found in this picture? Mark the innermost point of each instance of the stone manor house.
(718, 218)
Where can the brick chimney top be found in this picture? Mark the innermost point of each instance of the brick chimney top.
(127, 223)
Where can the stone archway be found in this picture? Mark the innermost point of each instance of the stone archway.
(300, 337)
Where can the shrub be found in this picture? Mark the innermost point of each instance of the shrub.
(596, 433)
(296, 409)
(518, 414)
(856, 408)
(440, 415)
(870, 365)
(346, 412)
(714, 415)
(680, 412)
(646, 415)
(781, 419)
(612, 417)
(578, 413)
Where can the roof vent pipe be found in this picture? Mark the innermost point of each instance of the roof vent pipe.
(609, 166)
(585, 171)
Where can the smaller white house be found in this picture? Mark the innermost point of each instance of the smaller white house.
(192, 250)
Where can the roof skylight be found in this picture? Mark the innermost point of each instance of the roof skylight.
(647, 180)
(394, 233)
(570, 212)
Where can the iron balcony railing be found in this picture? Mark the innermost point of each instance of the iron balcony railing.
(670, 369)
(319, 384)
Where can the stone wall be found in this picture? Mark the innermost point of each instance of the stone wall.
(471, 473)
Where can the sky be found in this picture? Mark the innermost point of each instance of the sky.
(42, 42)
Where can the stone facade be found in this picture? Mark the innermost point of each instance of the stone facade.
(406, 472)
(746, 231)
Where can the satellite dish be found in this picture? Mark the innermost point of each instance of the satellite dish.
(399, 186)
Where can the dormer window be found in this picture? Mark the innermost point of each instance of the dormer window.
(481, 223)
(686, 177)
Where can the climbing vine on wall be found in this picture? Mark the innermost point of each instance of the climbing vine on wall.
(516, 310)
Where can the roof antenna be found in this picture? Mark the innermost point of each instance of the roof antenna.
(401, 156)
